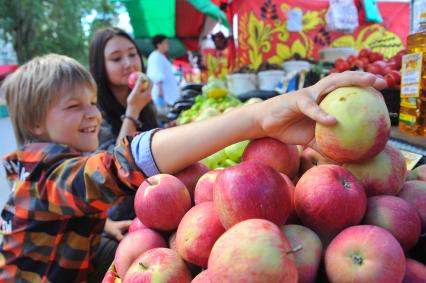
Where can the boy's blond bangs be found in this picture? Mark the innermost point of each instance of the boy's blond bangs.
(36, 86)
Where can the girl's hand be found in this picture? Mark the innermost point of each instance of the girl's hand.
(138, 98)
(291, 117)
(116, 229)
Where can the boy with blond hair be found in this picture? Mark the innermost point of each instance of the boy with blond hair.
(54, 217)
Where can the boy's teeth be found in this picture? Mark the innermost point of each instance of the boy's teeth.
(89, 130)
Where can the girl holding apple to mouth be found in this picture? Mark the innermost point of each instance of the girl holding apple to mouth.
(113, 57)
(54, 217)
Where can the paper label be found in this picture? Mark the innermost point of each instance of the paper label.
(411, 74)
(407, 119)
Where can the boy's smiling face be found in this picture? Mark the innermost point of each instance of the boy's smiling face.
(73, 120)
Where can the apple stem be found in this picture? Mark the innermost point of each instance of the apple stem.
(146, 180)
(295, 249)
(141, 264)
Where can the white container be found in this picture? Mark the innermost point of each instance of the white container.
(296, 66)
(241, 83)
(268, 80)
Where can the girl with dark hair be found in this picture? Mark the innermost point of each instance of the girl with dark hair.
(113, 56)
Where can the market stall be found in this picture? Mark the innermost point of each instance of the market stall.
(349, 209)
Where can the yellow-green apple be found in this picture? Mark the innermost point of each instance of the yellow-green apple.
(197, 232)
(328, 198)
(292, 216)
(215, 159)
(309, 257)
(161, 201)
(136, 225)
(190, 175)
(365, 253)
(235, 151)
(254, 251)
(133, 245)
(202, 277)
(172, 241)
(204, 188)
(282, 157)
(309, 158)
(415, 193)
(251, 190)
(395, 215)
(384, 174)
(362, 128)
(160, 265)
(415, 272)
(418, 173)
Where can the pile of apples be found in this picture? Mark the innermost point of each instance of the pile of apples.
(353, 215)
(373, 62)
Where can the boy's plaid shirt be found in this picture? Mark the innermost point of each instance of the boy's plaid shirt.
(55, 214)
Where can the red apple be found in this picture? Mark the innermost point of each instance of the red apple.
(328, 198)
(191, 174)
(133, 78)
(418, 173)
(202, 277)
(292, 216)
(254, 251)
(282, 157)
(310, 158)
(111, 275)
(384, 174)
(160, 265)
(251, 190)
(415, 272)
(204, 188)
(395, 215)
(362, 128)
(197, 233)
(133, 245)
(415, 193)
(136, 225)
(309, 257)
(161, 201)
(365, 253)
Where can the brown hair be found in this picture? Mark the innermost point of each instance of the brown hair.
(36, 86)
(110, 108)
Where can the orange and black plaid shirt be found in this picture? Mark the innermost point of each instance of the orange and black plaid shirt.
(55, 214)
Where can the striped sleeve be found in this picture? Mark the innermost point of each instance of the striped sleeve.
(84, 185)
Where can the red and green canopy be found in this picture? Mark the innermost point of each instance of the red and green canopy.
(180, 20)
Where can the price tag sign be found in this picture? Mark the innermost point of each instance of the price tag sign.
(411, 74)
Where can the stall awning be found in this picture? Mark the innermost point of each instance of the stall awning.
(180, 20)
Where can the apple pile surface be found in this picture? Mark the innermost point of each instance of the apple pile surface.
(373, 62)
(286, 213)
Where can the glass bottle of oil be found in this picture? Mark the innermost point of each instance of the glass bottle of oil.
(412, 117)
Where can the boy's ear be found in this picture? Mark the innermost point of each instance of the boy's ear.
(37, 130)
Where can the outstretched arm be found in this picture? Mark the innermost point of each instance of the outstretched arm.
(290, 118)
